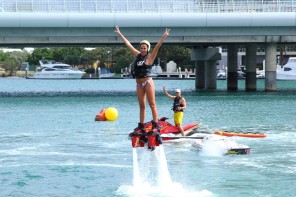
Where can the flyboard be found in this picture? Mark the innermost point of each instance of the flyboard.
(155, 137)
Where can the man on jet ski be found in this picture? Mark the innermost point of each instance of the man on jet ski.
(178, 107)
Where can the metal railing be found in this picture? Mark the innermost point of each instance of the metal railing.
(147, 6)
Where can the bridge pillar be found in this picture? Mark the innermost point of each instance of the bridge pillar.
(251, 67)
(270, 67)
(232, 83)
(211, 74)
(200, 75)
(205, 66)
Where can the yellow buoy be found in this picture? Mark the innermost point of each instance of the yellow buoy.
(111, 113)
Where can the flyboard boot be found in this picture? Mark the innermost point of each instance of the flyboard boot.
(156, 128)
(153, 136)
(139, 136)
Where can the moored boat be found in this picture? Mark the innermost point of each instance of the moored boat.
(288, 71)
(57, 70)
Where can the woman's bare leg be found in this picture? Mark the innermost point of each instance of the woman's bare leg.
(150, 91)
(142, 103)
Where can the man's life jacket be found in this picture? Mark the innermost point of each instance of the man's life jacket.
(177, 104)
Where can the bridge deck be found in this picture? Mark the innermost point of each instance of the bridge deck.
(91, 22)
(147, 6)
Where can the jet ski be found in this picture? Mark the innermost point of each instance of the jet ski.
(202, 139)
(221, 144)
(154, 137)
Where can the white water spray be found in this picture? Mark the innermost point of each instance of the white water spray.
(151, 177)
(164, 177)
(212, 148)
(136, 172)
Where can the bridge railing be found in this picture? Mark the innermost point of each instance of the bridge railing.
(147, 6)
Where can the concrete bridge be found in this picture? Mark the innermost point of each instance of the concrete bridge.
(197, 23)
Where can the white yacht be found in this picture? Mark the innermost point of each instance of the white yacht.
(288, 71)
(57, 70)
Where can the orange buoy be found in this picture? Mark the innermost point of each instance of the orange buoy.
(101, 116)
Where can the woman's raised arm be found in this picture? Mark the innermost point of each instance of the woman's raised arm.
(126, 42)
(152, 57)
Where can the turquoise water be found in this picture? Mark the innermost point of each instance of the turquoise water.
(51, 145)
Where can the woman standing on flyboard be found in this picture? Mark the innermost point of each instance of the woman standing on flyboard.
(142, 70)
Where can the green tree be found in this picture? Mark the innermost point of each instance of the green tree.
(2, 58)
(122, 58)
(11, 65)
(102, 54)
(68, 55)
(11, 61)
(19, 55)
(88, 57)
(121, 63)
(179, 54)
(39, 54)
(2, 55)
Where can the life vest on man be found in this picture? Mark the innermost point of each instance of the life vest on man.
(177, 104)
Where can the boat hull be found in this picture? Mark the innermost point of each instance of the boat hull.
(43, 75)
(286, 76)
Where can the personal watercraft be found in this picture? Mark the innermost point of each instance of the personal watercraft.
(202, 139)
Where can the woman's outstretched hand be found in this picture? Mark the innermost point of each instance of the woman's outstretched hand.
(167, 32)
(117, 29)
